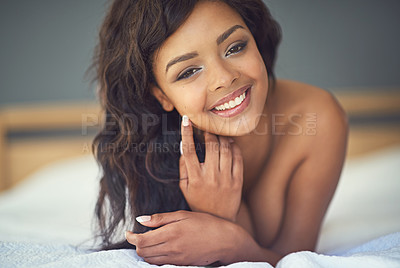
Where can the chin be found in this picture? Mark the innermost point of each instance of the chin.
(240, 127)
(241, 130)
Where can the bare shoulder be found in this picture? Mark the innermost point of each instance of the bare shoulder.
(309, 136)
(313, 113)
(316, 146)
(297, 96)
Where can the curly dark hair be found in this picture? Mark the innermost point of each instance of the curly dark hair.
(137, 146)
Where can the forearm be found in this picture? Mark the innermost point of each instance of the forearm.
(257, 254)
(246, 248)
(220, 241)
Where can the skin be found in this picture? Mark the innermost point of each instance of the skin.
(269, 173)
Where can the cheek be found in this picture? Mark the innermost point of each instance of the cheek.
(254, 66)
(190, 101)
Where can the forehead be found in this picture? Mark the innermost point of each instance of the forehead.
(206, 22)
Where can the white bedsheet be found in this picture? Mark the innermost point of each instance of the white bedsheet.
(53, 210)
(366, 204)
(380, 253)
(56, 204)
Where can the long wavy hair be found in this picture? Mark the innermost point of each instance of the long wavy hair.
(138, 145)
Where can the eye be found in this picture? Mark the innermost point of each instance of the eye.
(187, 73)
(236, 49)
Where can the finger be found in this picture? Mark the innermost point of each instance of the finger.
(158, 260)
(165, 259)
(212, 150)
(152, 253)
(225, 155)
(188, 146)
(149, 238)
(142, 240)
(162, 249)
(183, 174)
(160, 219)
(237, 164)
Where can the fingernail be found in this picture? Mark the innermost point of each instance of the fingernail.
(185, 120)
(180, 147)
(143, 218)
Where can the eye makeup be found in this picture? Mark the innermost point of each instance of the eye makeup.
(187, 73)
(236, 48)
(233, 50)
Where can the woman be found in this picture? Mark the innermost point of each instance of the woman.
(261, 157)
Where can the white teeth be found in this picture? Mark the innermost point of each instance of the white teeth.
(231, 104)
(237, 101)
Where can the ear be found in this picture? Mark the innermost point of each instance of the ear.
(162, 98)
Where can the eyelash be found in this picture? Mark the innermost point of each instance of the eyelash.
(188, 73)
(238, 48)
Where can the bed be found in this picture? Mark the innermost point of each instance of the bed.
(49, 188)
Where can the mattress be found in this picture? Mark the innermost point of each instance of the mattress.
(56, 204)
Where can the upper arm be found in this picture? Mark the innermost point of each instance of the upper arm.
(314, 181)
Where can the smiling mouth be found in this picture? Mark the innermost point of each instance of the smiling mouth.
(235, 105)
(232, 103)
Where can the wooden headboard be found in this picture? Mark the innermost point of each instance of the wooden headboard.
(374, 117)
(33, 135)
(37, 134)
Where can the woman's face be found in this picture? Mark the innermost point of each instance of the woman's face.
(211, 70)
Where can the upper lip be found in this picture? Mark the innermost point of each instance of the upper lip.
(231, 96)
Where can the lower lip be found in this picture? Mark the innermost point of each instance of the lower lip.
(237, 109)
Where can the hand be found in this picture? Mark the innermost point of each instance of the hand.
(188, 238)
(214, 186)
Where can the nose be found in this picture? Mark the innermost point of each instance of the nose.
(222, 74)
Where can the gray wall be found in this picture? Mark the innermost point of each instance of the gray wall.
(46, 46)
(339, 43)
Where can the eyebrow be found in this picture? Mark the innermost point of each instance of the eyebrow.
(183, 57)
(227, 33)
(192, 55)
